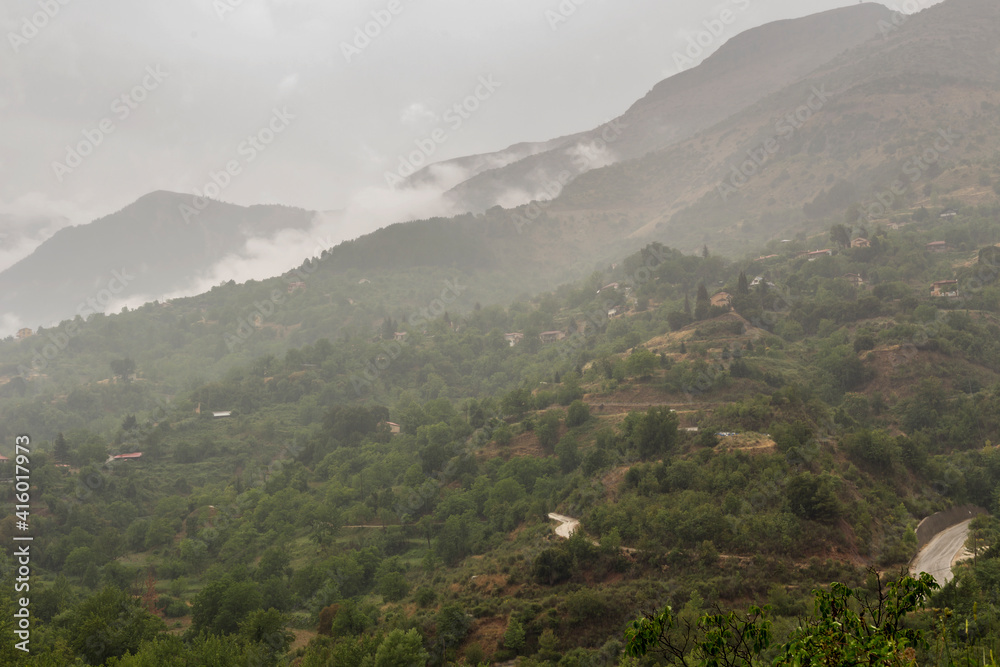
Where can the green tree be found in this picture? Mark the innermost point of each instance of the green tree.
(813, 497)
(514, 637)
(841, 235)
(452, 625)
(854, 627)
(653, 432)
(267, 630)
(60, 450)
(123, 369)
(702, 302)
(402, 649)
(222, 605)
(548, 430)
(568, 454)
(641, 363)
(109, 624)
(577, 414)
(552, 565)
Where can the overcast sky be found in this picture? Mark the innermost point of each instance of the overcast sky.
(200, 76)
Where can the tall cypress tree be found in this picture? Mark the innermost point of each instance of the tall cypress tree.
(702, 303)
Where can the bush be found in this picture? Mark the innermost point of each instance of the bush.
(578, 414)
(425, 596)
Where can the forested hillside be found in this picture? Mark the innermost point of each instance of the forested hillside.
(727, 432)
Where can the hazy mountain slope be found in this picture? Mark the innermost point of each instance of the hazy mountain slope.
(145, 249)
(876, 110)
(21, 234)
(449, 173)
(742, 71)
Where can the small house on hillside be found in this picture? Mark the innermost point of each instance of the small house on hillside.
(393, 427)
(513, 338)
(861, 242)
(128, 457)
(222, 415)
(614, 312)
(937, 246)
(399, 336)
(760, 280)
(816, 254)
(293, 287)
(948, 213)
(608, 286)
(551, 336)
(854, 278)
(945, 288)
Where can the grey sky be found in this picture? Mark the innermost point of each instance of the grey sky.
(227, 70)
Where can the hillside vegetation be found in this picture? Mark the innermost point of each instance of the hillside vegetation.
(713, 457)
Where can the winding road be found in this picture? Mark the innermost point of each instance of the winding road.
(938, 555)
(567, 524)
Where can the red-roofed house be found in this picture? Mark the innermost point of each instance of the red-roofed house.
(937, 246)
(127, 457)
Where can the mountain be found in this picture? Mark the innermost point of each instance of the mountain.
(895, 124)
(745, 69)
(21, 234)
(155, 246)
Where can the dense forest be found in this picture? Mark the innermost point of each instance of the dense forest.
(340, 468)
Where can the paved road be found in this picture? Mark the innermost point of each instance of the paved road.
(938, 555)
(567, 525)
